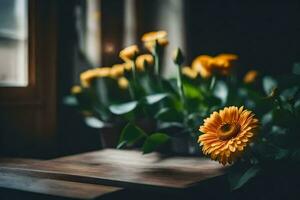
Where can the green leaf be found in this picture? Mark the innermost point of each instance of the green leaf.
(212, 101)
(282, 154)
(168, 115)
(154, 141)
(296, 155)
(289, 93)
(154, 98)
(221, 91)
(194, 119)
(170, 85)
(267, 118)
(277, 130)
(297, 105)
(271, 152)
(70, 101)
(238, 181)
(296, 69)
(283, 117)
(120, 109)
(94, 122)
(101, 112)
(130, 135)
(168, 125)
(269, 84)
(192, 91)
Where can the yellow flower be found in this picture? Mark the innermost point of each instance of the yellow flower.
(129, 53)
(154, 35)
(127, 66)
(140, 60)
(189, 72)
(89, 75)
(251, 76)
(102, 71)
(227, 133)
(149, 39)
(202, 65)
(76, 89)
(223, 63)
(117, 70)
(123, 83)
(86, 78)
(227, 56)
(206, 65)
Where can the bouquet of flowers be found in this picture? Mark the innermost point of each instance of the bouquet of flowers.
(247, 122)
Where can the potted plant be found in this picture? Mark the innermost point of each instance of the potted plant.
(133, 98)
(248, 123)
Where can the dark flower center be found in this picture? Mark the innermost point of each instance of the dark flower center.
(228, 130)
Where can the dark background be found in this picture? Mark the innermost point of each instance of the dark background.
(264, 33)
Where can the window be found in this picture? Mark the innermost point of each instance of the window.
(28, 32)
(14, 43)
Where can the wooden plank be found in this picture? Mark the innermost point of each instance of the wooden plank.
(54, 187)
(17, 162)
(128, 169)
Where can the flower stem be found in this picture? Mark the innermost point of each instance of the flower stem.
(179, 84)
(133, 72)
(133, 85)
(131, 93)
(156, 69)
(212, 83)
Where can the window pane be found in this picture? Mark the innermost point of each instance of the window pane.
(13, 42)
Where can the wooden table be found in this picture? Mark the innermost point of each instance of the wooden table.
(116, 169)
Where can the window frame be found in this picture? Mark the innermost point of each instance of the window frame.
(28, 114)
(26, 94)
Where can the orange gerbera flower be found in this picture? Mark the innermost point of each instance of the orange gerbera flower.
(76, 89)
(227, 133)
(223, 63)
(117, 71)
(129, 53)
(202, 65)
(149, 39)
(88, 76)
(142, 59)
(206, 65)
(251, 76)
(189, 72)
(123, 83)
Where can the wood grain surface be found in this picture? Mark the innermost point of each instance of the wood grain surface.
(128, 169)
(53, 187)
(48, 186)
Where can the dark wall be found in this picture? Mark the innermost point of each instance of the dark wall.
(266, 34)
(73, 135)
